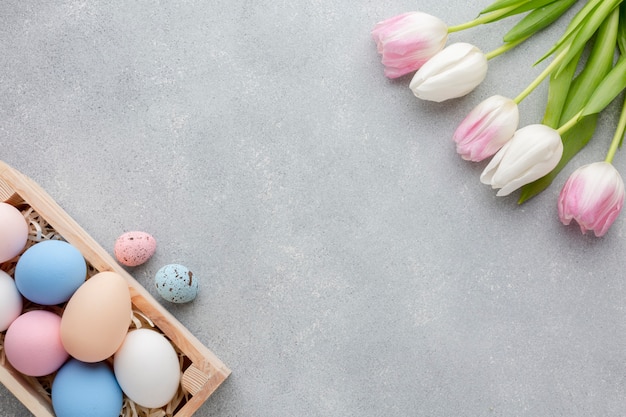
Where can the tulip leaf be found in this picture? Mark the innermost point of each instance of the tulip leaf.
(573, 27)
(597, 66)
(621, 33)
(588, 28)
(502, 4)
(531, 5)
(573, 141)
(557, 98)
(609, 88)
(540, 18)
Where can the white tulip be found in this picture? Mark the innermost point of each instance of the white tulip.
(532, 152)
(453, 72)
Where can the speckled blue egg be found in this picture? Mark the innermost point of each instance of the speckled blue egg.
(84, 389)
(176, 283)
(49, 272)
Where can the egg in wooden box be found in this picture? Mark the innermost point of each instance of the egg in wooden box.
(14, 232)
(146, 367)
(96, 318)
(84, 389)
(49, 272)
(10, 301)
(32, 343)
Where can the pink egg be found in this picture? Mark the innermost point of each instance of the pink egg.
(134, 248)
(14, 232)
(32, 343)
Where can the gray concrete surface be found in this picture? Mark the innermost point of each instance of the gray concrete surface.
(351, 264)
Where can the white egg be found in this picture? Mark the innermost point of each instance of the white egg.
(10, 301)
(146, 367)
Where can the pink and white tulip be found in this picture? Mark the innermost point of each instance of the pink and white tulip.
(453, 72)
(532, 152)
(407, 41)
(487, 128)
(593, 196)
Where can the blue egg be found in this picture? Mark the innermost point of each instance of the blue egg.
(176, 283)
(49, 272)
(84, 389)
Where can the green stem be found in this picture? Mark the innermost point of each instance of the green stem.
(619, 135)
(504, 48)
(481, 20)
(555, 62)
(570, 123)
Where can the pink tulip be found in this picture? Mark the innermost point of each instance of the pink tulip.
(407, 41)
(593, 196)
(487, 128)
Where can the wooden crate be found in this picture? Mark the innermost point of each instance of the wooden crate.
(202, 371)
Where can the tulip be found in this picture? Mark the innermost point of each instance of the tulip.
(532, 152)
(486, 128)
(407, 41)
(593, 196)
(454, 72)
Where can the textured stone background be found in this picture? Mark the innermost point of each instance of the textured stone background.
(351, 264)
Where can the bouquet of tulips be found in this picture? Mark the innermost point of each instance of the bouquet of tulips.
(580, 87)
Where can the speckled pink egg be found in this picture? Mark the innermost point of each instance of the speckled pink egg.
(134, 248)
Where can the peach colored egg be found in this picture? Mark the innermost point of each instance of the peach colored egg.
(14, 232)
(134, 248)
(96, 318)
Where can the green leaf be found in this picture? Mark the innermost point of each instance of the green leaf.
(573, 141)
(588, 28)
(538, 19)
(597, 66)
(557, 97)
(502, 4)
(621, 33)
(530, 5)
(573, 27)
(608, 89)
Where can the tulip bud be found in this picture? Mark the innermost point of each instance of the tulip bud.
(407, 41)
(487, 128)
(532, 152)
(454, 72)
(593, 196)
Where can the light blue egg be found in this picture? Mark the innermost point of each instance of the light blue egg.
(84, 389)
(49, 272)
(176, 283)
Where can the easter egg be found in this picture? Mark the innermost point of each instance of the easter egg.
(176, 283)
(86, 390)
(14, 232)
(147, 368)
(134, 248)
(49, 272)
(96, 318)
(32, 343)
(10, 301)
